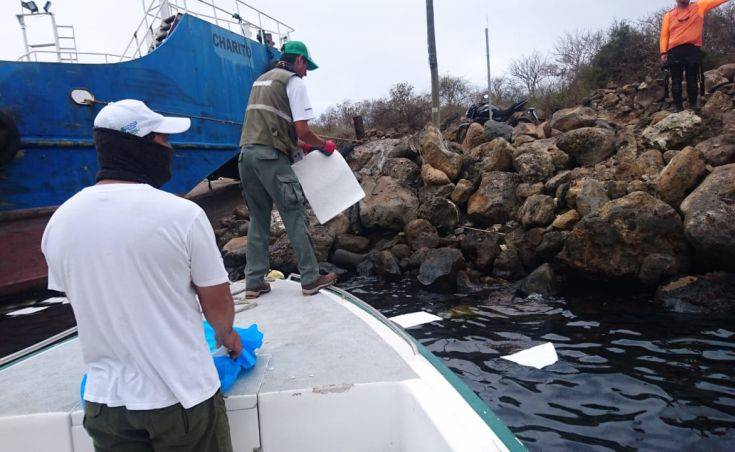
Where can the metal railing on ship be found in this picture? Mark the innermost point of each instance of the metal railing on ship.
(241, 19)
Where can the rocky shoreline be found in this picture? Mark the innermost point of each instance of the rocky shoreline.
(615, 191)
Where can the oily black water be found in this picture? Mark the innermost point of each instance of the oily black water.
(629, 376)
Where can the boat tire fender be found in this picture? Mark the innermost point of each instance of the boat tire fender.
(9, 138)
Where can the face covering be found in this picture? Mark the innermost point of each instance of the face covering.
(123, 156)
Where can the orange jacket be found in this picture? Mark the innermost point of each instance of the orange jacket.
(684, 25)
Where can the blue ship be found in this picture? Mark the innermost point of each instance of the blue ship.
(194, 68)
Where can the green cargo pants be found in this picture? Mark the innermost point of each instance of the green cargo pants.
(266, 177)
(201, 428)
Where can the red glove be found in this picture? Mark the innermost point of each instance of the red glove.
(329, 147)
(307, 148)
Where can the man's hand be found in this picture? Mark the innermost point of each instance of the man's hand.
(231, 341)
(664, 58)
(328, 148)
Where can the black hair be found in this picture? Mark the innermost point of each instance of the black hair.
(289, 57)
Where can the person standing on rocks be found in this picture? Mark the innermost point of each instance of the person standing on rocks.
(132, 259)
(681, 46)
(276, 127)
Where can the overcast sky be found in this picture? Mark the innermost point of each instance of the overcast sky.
(364, 47)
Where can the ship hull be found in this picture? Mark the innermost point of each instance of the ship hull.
(201, 71)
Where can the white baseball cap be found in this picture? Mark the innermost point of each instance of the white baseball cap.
(134, 117)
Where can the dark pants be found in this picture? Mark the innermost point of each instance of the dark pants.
(203, 427)
(685, 59)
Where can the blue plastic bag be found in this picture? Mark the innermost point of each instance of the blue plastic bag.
(228, 369)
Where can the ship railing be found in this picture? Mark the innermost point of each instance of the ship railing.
(234, 15)
(87, 57)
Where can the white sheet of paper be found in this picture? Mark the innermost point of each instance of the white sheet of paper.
(328, 184)
(539, 356)
(414, 319)
(26, 311)
(56, 300)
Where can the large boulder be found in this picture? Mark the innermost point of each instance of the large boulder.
(352, 243)
(588, 146)
(435, 152)
(420, 233)
(387, 204)
(233, 253)
(282, 257)
(370, 155)
(712, 293)
(719, 150)
(649, 93)
(713, 79)
(683, 173)
(323, 241)
(508, 264)
(440, 212)
(440, 267)
(674, 131)
(495, 202)
(475, 136)
(718, 104)
(481, 249)
(401, 169)
(709, 218)
(542, 281)
(567, 220)
(495, 129)
(433, 176)
(496, 155)
(462, 192)
(587, 195)
(573, 118)
(538, 210)
(727, 71)
(533, 164)
(385, 264)
(636, 237)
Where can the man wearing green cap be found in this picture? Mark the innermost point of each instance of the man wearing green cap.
(276, 126)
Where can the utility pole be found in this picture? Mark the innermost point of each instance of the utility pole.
(432, 63)
(489, 79)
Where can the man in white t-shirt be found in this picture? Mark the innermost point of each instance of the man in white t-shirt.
(132, 260)
(276, 128)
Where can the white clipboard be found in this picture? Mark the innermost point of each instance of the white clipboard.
(328, 184)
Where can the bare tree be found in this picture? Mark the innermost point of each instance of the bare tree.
(531, 71)
(573, 51)
(454, 91)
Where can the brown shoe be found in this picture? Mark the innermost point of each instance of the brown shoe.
(258, 291)
(322, 282)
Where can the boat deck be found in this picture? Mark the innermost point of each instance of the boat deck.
(309, 343)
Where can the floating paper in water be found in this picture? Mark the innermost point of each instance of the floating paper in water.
(56, 300)
(328, 184)
(26, 311)
(539, 356)
(414, 319)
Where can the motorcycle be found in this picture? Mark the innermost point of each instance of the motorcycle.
(484, 111)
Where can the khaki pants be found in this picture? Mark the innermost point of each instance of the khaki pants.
(266, 178)
(201, 428)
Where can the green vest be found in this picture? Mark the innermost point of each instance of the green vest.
(268, 118)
